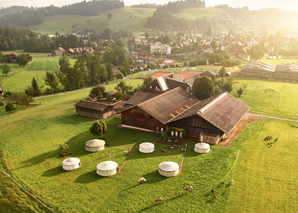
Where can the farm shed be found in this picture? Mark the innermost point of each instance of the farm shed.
(95, 145)
(202, 148)
(94, 109)
(107, 168)
(146, 147)
(71, 163)
(168, 169)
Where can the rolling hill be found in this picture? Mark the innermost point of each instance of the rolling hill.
(198, 13)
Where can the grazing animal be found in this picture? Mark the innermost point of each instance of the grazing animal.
(232, 181)
(214, 197)
(212, 190)
(142, 180)
(276, 139)
(125, 152)
(188, 188)
(159, 199)
(222, 183)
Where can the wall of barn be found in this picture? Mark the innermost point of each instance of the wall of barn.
(89, 112)
(139, 118)
(195, 125)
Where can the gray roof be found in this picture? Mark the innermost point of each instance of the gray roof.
(91, 105)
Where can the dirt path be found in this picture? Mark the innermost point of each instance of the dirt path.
(271, 117)
(237, 130)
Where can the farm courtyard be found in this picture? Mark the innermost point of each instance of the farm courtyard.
(29, 152)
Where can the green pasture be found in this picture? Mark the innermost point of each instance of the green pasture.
(280, 61)
(199, 13)
(266, 179)
(128, 19)
(269, 97)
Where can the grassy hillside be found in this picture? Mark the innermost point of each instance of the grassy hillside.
(198, 13)
(128, 19)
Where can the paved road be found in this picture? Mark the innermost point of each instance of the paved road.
(271, 117)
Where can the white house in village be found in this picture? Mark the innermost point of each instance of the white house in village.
(160, 48)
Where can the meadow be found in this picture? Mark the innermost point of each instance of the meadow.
(30, 141)
(128, 19)
(199, 13)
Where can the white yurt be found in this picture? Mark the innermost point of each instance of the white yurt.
(146, 147)
(107, 168)
(71, 163)
(202, 148)
(168, 169)
(95, 145)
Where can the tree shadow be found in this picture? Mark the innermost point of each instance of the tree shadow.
(40, 158)
(88, 177)
(53, 172)
(71, 119)
(149, 207)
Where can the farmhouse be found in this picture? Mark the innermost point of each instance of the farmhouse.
(261, 70)
(208, 120)
(95, 109)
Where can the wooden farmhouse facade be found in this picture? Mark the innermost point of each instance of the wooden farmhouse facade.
(94, 109)
(208, 120)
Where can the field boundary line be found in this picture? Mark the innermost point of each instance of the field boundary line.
(131, 153)
(231, 167)
(28, 193)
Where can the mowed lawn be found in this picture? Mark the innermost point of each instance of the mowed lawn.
(269, 97)
(266, 179)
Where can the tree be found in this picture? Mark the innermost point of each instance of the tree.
(52, 80)
(123, 87)
(96, 128)
(5, 69)
(98, 91)
(109, 15)
(21, 98)
(35, 87)
(119, 75)
(240, 91)
(104, 126)
(9, 107)
(23, 59)
(222, 72)
(109, 68)
(204, 88)
(213, 44)
(228, 87)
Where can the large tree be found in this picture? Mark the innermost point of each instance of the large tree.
(5, 69)
(204, 88)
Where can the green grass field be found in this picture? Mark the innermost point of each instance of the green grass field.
(266, 179)
(270, 97)
(30, 140)
(128, 19)
(199, 13)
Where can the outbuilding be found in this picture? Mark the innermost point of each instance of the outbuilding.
(168, 169)
(202, 148)
(95, 145)
(146, 147)
(107, 168)
(71, 164)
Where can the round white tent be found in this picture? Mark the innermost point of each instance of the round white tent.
(168, 169)
(107, 168)
(202, 148)
(71, 164)
(95, 145)
(146, 147)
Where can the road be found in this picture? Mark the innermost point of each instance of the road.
(271, 117)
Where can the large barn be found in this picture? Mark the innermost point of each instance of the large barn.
(262, 70)
(209, 120)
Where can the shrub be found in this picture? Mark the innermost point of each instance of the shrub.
(9, 107)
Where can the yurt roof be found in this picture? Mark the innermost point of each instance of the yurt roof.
(147, 145)
(202, 146)
(95, 143)
(168, 166)
(107, 165)
(71, 161)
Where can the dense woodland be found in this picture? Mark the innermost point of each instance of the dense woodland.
(35, 16)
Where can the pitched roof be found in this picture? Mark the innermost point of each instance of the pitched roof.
(166, 106)
(91, 105)
(140, 97)
(223, 111)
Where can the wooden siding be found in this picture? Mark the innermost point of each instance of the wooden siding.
(139, 118)
(95, 113)
(195, 125)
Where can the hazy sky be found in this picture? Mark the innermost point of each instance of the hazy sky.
(252, 4)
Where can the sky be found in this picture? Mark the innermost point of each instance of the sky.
(252, 4)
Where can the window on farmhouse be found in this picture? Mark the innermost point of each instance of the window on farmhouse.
(139, 116)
